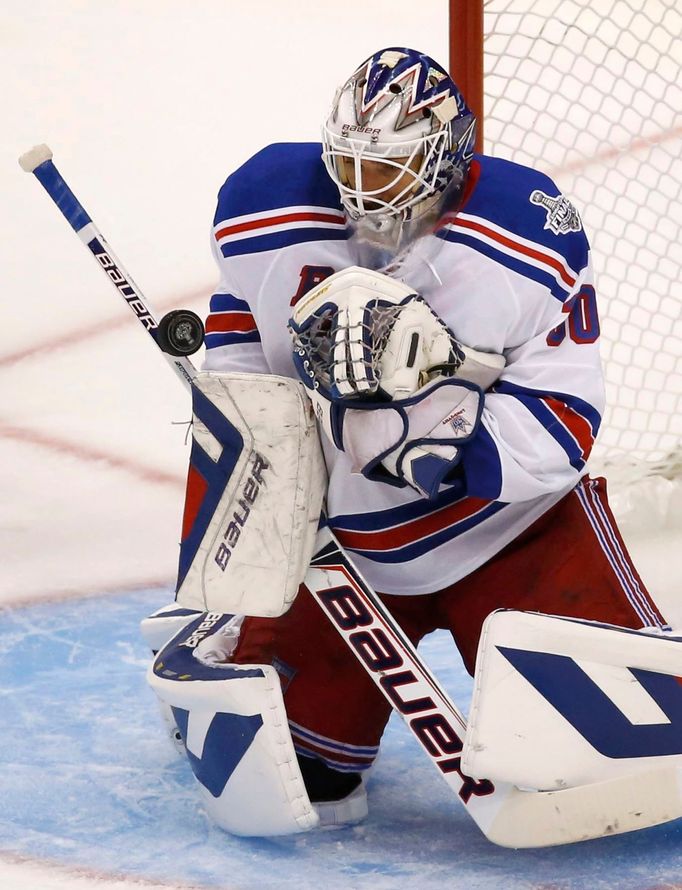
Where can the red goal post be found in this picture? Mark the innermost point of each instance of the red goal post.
(592, 95)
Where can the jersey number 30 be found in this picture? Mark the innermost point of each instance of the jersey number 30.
(582, 324)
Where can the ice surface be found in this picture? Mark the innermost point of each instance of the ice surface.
(89, 778)
(147, 106)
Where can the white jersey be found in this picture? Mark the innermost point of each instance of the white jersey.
(511, 275)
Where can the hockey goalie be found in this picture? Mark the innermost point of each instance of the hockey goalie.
(404, 352)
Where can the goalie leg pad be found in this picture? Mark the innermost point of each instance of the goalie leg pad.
(254, 495)
(234, 725)
(560, 702)
(157, 629)
(161, 626)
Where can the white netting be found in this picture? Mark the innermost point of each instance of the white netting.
(591, 93)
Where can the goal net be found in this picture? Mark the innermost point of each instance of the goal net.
(592, 95)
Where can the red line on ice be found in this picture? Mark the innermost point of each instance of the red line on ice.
(83, 873)
(611, 152)
(88, 453)
(73, 449)
(92, 330)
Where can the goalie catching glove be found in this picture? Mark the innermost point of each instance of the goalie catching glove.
(361, 333)
(362, 338)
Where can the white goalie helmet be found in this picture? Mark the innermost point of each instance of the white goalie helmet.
(398, 143)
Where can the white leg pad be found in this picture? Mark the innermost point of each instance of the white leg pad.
(159, 627)
(560, 703)
(234, 725)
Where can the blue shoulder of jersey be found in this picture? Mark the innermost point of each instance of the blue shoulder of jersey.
(287, 197)
(526, 205)
(285, 174)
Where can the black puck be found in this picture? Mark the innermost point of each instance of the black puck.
(180, 332)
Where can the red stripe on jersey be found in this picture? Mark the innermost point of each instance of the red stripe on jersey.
(283, 219)
(409, 532)
(513, 245)
(225, 322)
(575, 423)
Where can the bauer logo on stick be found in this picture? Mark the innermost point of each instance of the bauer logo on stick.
(125, 288)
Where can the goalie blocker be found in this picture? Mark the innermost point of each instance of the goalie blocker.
(254, 495)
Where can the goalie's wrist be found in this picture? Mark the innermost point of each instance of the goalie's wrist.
(427, 466)
(426, 472)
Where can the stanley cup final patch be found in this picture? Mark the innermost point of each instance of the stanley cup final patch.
(562, 217)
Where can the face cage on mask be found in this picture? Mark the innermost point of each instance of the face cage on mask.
(420, 184)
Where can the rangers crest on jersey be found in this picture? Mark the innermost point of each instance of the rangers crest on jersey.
(562, 217)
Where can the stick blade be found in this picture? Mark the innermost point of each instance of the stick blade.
(34, 157)
(549, 818)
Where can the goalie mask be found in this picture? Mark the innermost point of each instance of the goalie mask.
(398, 144)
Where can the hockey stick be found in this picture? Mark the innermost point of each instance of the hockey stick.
(39, 162)
(506, 815)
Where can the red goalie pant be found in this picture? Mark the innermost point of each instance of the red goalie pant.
(570, 562)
